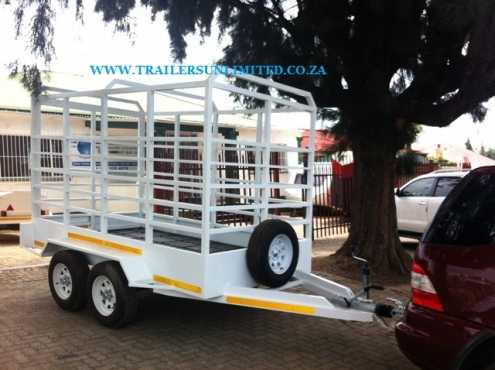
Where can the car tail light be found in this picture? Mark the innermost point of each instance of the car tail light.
(423, 292)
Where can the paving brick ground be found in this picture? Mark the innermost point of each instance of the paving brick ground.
(181, 334)
(13, 256)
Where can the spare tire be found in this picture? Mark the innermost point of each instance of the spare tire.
(273, 252)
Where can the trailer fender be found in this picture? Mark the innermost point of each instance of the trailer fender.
(52, 248)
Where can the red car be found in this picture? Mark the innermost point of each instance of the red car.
(450, 321)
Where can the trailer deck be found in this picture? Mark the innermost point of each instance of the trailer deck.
(173, 240)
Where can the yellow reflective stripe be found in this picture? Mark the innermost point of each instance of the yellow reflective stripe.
(105, 243)
(177, 283)
(271, 305)
(39, 244)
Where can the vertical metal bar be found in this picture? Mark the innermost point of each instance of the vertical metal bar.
(257, 170)
(328, 199)
(5, 157)
(207, 136)
(267, 137)
(50, 150)
(25, 158)
(308, 231)
(9, 158)
(322, 204)
(18, 157)
(325, 212)
(141, 168)
(104, 165)
(12, 157)
(150, 152)
(35, 158)
(176, 165)
(66, 153)
(214, 157)
(15, 159)
(318, 178)
(2, 156)
(22, 157)
(92, 133)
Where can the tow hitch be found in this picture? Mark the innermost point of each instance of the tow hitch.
(362, 300)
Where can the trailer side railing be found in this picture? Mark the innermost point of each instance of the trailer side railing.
(185, 184)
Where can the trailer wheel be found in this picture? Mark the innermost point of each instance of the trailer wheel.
(113, 302)
(67, 276)
(273, 252)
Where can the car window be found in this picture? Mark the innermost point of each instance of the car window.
(445, 185)
(468, 218)
(419, 188)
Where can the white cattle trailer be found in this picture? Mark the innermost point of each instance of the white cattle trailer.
(182, 245)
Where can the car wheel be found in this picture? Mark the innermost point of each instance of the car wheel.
(113, 302)
(482, 358)
(488, 363)
(273, 252)
(67, 276)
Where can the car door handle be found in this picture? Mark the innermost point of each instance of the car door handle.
(422, 203)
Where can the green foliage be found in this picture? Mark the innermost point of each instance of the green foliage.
(404, 62)
(468, 144)
(406, 163)
(29, 76)
(391, 64)
(490, 153)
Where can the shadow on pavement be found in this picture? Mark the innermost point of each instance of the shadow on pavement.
(9, 237)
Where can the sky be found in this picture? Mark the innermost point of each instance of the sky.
(80, 45)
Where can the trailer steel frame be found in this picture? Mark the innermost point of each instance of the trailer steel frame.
(207, 273)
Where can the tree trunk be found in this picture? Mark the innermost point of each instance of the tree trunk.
(373, 234)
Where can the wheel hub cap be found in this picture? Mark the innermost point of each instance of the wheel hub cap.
(62, 281)
(103, 294)
(280, 254)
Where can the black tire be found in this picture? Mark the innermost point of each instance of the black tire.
(258, 253)
(490, 366)
(68, 296)
(125, 305)
(481, 359)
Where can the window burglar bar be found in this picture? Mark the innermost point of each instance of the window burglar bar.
(14, 158)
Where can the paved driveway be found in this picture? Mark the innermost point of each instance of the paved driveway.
(179, 334)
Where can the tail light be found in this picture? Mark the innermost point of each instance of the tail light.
(423, 292)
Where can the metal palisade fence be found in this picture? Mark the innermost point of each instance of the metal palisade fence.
(333, 195)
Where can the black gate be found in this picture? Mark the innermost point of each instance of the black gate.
(331, 201)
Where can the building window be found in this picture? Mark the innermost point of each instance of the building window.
(14, 157)
(51, 157)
